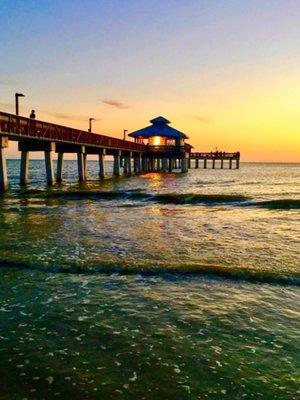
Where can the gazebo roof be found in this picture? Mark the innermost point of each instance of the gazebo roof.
(159, 127)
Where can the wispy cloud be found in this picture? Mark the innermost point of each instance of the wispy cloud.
(58, 115)
(73, 117)
(114, 103)
(202, 119)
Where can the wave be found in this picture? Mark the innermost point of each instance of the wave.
(278, 204)
(183, 270)
(164, 198)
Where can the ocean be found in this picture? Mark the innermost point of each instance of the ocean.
(158, 286)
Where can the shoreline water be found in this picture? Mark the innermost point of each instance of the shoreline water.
(158, 286)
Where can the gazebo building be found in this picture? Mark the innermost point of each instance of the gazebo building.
(166, 146)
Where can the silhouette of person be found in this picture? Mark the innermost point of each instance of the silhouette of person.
(32, 115)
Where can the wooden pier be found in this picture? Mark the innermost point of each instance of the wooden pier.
(128, 157)
(216, 159)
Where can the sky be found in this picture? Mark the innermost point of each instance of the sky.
(225, 72)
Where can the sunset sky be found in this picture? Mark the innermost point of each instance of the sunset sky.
(225, 72)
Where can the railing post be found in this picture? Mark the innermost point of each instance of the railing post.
(3, 166)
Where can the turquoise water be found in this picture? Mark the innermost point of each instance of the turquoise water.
(161, 286)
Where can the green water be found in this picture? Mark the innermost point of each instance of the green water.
(156, 287)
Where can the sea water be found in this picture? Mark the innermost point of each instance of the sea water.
(158, 286)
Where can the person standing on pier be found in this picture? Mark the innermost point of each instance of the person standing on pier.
(32, 114)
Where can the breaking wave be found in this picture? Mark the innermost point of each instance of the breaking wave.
(278, 204)
(184, 270)
(167, 198)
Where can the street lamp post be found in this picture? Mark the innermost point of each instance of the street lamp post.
(124, 134)
(17, 95)
(90, 124)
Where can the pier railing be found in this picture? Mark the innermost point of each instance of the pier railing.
(16, 126)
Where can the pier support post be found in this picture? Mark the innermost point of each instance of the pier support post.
(125, 164)
(230, 164)
(102, 164)
(117, 159)
(164, 163)
(205, 163)
(59, 168)
(170, 164)
(237, 164)
(158, 164)
(128, 162)
(197, 163)
(24, 167)
(81, 167)
(49, 168)
(222, 163)
(144, 164)
(184, 164)
(85, 165)
(137, 168)
(213, 163)
(151, 164)
(140, 160)
(3, 166)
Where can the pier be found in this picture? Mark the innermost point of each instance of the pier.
(155, 148)
(216, 159)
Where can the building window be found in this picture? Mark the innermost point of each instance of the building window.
(157, 141)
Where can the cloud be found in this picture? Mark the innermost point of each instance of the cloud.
(60, 115)
(114, 103)
(202, 119)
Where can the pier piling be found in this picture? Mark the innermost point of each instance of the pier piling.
(49, 168)
(117, 159)
(102, 164)
(59, 167)
(24, 167)
(81, 168)
(3, 166)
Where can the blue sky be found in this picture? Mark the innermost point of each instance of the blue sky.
(150, 57)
